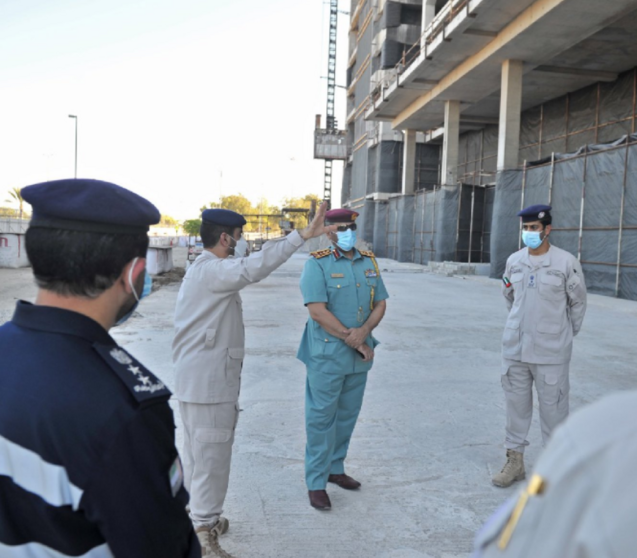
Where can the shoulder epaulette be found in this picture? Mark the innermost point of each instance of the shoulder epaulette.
(321, 253)
(143, 384)
(367, 253)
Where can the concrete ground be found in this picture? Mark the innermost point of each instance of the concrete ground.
(430, 432)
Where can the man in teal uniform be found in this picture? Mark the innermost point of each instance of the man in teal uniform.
(345, 296)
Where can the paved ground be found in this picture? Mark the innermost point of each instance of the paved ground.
(430, 432)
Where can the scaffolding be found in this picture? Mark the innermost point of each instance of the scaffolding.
(331, 91)
(596, 114)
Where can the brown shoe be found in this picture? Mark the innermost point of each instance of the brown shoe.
(319, 499)
(344, 481)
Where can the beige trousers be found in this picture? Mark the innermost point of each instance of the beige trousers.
(552, 386)
(208, 437)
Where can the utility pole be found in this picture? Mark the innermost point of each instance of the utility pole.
(75, 118)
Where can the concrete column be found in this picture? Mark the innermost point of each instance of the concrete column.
(409, 161)
(428, 14)
(450, 143)
(510, 112)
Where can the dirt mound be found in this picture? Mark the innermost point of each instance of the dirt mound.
(175, 275)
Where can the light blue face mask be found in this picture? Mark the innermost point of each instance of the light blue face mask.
(532, 239)
(346, 240)
(148, 287)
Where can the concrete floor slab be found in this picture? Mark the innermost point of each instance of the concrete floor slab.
(431, 428)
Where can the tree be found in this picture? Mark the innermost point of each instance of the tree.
(167, 221)
(8, 212)
(264, 208)
(300, 219)
(16, 194)
(237, 203)
(191, 227)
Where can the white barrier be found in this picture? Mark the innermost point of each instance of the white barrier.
(159, 260)
(12, 251)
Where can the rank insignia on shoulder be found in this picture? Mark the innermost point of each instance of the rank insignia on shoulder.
(367, 253)
(142, 383)
(321, 253)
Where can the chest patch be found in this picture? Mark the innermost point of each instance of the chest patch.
(532, 281)
(337, 275)
(369, 273)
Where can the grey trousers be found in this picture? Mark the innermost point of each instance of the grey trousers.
(208, 438)
(552, 386)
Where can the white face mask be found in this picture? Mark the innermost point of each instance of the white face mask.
(241, 248)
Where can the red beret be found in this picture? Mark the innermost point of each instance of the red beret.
(340, 216)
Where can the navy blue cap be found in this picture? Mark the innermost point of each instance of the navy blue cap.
(535, 213)
(80, 204)
(223, 217)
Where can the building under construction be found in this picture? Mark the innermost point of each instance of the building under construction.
(460, 112)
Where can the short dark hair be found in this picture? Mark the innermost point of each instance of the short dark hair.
(547, 220)
(80, 263)
(210, 233)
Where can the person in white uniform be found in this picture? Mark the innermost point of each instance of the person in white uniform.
(208, 351)
(580, 500)
(545, 293)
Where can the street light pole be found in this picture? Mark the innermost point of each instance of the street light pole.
(75, 117)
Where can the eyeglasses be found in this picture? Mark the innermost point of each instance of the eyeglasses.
(343, 228)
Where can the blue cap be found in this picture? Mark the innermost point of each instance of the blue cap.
(535, 213)
(80, 204)
(223, 217)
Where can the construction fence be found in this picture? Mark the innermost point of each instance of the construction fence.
(593, 193)
(448, 223)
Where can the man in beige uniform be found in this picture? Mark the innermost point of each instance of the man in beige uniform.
(546, 297)
(581, 500)
(208, 351)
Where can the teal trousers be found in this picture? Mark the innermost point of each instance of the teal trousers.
(332, 403)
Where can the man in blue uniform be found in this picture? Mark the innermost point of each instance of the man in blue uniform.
(345, 296)
(88, 465)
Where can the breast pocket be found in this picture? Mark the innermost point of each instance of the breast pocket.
(336, 284)
(552, 287)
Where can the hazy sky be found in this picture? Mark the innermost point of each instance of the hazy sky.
(177, 100)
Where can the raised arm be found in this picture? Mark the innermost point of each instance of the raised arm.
(233, 274)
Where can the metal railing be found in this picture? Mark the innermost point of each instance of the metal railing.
(9, 225)
(437, 27)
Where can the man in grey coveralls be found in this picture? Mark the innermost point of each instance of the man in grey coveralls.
(208, 350)
(546, 296)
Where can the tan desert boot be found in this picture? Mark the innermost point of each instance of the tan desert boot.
(512, 471)
(209, 540)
